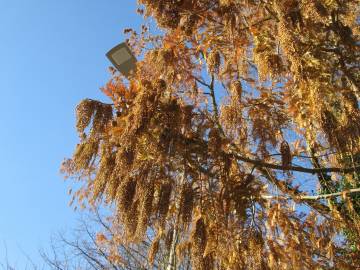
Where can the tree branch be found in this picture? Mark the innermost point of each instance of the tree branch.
(260, 163)
(201, 82)
(294, 193)
(213, 99)
(232, 152)
(315, 197)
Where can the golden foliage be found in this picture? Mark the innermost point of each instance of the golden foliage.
(213, 99)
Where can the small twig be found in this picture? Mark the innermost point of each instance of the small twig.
(201, 82)
(256, 23)
(213, 98)
(273, 15)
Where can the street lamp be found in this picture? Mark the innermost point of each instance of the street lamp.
(122, 58)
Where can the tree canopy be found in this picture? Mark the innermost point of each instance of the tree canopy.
(237, 137)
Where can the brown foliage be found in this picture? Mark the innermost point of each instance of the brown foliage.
(213, 100)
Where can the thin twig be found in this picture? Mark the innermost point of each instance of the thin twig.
(201, 82)
(213, 99)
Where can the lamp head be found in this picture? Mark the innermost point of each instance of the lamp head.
(122, 58)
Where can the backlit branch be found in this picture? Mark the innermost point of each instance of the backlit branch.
(261, 163)
(314, 197)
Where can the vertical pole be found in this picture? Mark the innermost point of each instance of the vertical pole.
(171, 262)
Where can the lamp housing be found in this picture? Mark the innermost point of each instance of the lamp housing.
(123, 59)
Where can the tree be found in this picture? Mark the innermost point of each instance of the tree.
(91, 246)
(238, 135)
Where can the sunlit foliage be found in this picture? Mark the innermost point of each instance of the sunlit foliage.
(237, 112)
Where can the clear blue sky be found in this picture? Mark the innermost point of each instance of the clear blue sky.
(52, 56)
